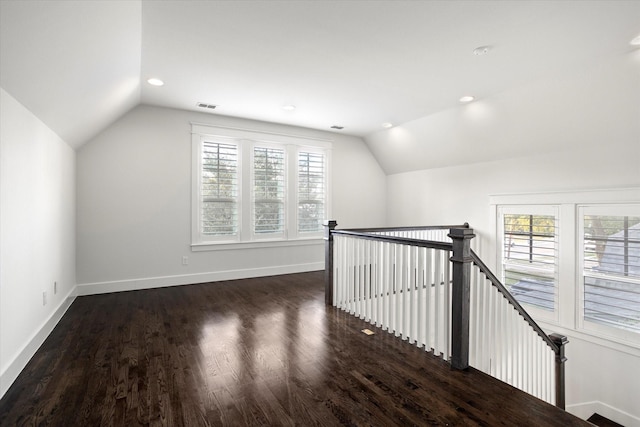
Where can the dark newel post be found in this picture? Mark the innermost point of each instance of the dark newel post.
(460, 296)
(560, 341)
(329, 225)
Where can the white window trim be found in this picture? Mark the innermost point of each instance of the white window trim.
(296, 234)
(283, 235)
(196, 183)
(246, 139)
(570, 242)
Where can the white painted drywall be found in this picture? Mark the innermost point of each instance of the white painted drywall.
(574, 133)
(573, 112)
(37, 234)
(134, 204)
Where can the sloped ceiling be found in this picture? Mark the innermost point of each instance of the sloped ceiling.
(74, 64)
(79, 65)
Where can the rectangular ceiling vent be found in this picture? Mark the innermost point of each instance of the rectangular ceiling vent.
(205, 105)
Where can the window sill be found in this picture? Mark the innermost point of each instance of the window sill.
(255, 244)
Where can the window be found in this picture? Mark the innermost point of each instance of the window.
(529, 255)
(610, 292)
(257, 187)
(219, 189)
(596, 271)
(268, 190)
(311, 191)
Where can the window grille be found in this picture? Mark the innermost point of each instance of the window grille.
(219, 189)
(529, 258)
(311, 191)
(268, 190)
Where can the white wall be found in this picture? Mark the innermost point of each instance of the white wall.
(134, 204)
(37, 234)
(572, 133)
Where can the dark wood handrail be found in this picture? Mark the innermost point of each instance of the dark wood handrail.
(408, 228)
(505, 293)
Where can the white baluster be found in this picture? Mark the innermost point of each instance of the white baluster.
(437, 300)
(339, 255)
(406, 265)
(399, 285)
(413, 300)
(393, 290)
(446, 321)
(420, 283)
(360, 276)
(429, 300)
(375, 275)
(380, 287)
(387, 284)
(473, 318)
(353, 284)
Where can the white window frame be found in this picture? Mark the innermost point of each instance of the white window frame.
(311, 150)
(247, 139)
(197, 185)
(585, 324)
(547, 210)
(570, 252)
(286, 199)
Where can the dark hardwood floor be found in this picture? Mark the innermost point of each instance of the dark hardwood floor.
(261, 352)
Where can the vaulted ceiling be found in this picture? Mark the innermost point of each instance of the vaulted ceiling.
(79, 65)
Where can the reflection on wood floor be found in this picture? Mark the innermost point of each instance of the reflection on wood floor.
(247, 352)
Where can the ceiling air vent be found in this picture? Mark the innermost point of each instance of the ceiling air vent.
(205, 105)
(337, 127)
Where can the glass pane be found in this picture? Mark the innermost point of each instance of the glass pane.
(311, 191)
(268, 190)
(612, 302)
(612, 245)
(219, 189)
(529, 258)
(612, 270)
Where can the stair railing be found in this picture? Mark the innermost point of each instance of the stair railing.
(426, 286)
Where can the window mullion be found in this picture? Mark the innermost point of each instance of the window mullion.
(626, 245)
(530, 238)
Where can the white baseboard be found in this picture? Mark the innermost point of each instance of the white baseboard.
(188, 279)
(9, 375)
(585, 410)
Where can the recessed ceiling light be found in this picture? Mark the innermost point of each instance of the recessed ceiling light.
(387, 125)
(288, 107)
(155, 82)
(635, 41)
(481, 50)
(466, 99)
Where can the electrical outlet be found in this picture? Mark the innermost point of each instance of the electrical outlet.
(185, 260)
(55, 288)
(44, 298)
